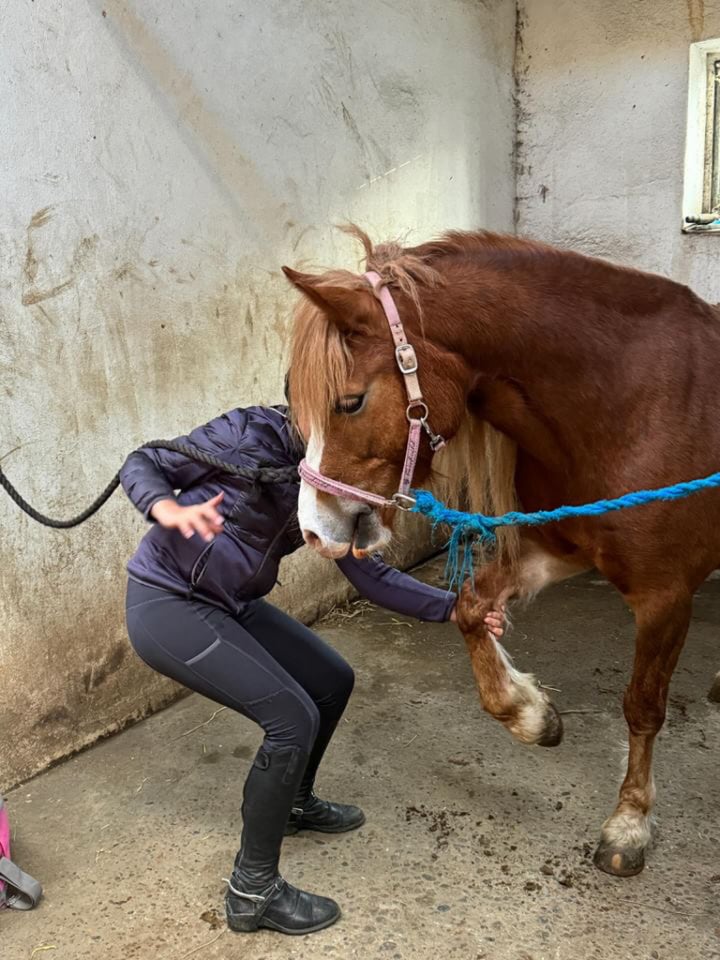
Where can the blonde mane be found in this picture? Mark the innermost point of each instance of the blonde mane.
(476, 469)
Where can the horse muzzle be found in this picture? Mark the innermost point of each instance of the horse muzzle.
(333, 533)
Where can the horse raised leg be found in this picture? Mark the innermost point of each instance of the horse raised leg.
(510, 696)
(662, 623)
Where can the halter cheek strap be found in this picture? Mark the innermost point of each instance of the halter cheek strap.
(407, 362)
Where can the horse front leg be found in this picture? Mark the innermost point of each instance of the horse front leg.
(662, 625)
(512, 697)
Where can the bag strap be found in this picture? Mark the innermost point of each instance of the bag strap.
(23, 891)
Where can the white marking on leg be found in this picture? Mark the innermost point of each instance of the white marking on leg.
(629, 829)
(529, 703)
(530, 706)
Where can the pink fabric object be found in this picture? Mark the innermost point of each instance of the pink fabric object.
(337, 489)
(4, 845)
(17, 889)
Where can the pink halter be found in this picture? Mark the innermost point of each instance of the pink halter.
(408, 366)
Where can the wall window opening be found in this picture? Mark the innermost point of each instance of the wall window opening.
(701, 201)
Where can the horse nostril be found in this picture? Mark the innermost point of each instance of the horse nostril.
(311, 539)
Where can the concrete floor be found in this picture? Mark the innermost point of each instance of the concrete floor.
(475, 847)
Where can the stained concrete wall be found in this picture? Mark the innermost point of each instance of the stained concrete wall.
(160, 162)
(602, 110)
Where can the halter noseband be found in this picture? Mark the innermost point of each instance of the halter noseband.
(408, 365)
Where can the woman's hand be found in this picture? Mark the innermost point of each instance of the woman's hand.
(201, 518)
(494, 621)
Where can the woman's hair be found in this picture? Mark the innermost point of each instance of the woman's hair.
(295, 433)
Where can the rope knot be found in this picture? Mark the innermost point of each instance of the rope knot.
(467, 530)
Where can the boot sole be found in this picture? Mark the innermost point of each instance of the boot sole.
(291, 831)
(278, 928)
(269, 925)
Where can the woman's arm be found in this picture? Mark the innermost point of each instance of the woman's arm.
(150, 477)
(394, 590)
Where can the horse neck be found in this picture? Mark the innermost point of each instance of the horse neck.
(505, 329)
(545, 365)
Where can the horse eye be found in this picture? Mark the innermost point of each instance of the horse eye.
(349, 405)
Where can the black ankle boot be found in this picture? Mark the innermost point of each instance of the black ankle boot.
(324, 817)
(280, 907)
(257, 895)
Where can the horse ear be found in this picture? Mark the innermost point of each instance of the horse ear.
(349, 308)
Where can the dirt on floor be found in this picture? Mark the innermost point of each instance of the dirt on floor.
(475, 847)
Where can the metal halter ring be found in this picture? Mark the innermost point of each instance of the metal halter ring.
(403, 501)
(423, 416)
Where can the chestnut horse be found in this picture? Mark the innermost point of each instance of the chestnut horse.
(557, 379)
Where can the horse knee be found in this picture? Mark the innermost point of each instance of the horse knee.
(645, 702)
(644, 715)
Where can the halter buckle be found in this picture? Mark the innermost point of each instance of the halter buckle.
(406, 358)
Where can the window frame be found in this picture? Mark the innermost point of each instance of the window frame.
(713, 134)
(701, 194)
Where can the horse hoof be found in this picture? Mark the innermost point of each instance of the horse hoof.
(619, 861)
(714, 694)
(553, 732)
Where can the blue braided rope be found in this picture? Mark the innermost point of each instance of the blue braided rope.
(470, 528)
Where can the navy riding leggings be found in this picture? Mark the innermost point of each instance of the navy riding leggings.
(259, 662)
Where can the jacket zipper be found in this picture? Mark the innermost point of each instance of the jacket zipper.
(197, 570)
(269, 550)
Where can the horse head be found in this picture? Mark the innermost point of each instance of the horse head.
(349, 400)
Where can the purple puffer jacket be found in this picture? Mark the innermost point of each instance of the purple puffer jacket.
(241, 563)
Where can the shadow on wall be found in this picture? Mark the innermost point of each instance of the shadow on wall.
(203, 132)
